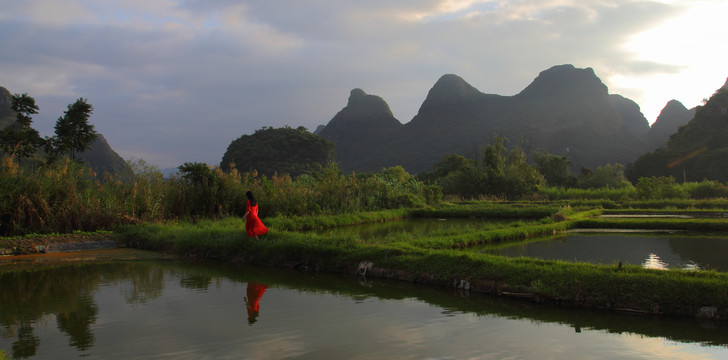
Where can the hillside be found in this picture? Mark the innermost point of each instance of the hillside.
(7, 116)
(100, 156)
(671, 118)
(697, 151)
(565, 111)
(104, 160)
(363, 125)
(633, 121)
(283, 151)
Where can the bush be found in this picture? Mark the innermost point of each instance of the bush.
(706, 189)
(662, 187)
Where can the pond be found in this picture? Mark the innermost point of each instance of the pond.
(124, 304)
(651, 250)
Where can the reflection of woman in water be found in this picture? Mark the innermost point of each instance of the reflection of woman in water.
(253, 225)
(252, 301)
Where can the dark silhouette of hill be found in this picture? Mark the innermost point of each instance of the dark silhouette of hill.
(100, 157)
(7, 116)
(282, 151)
(104, 160)
(672, 116)
(697, 151)
(362, 125)
(634, 122)
(565, 111)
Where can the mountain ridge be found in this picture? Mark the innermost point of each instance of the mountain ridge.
(697, 151)
(565, 110)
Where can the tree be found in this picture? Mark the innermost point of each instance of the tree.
(20, 139)
(501, 173)
(73, 133)
(555, 169)
(282, 151)
(451, 163)
(494, 156)
(508, 172)
(611, 176)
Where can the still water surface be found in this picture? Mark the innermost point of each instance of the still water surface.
(130, 305)
(656, 250)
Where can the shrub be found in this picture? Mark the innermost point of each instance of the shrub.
(662, 187)
(706, 189)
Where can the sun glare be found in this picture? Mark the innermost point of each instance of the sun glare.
(689, 54)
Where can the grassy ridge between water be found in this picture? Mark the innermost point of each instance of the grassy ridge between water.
(445, 259)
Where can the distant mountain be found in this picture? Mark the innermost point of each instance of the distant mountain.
(633, 120)
(672, 116)
(319, 129)
(7, 116)
(104, 160)
(362, 125)
(697, 151)
(100, 156)
(565, 111)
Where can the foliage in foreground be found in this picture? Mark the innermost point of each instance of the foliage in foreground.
(66, 196)
(647, 189)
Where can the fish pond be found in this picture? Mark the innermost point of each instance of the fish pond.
(650, 249)
(131, 304)
(655, 250)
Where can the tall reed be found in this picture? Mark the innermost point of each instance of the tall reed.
(66, 196)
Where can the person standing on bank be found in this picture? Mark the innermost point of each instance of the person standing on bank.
(253, 226)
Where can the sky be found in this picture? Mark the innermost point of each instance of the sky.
(174, 81)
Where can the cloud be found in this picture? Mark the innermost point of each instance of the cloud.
(177, 80)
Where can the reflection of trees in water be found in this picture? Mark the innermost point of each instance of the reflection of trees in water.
(143, 283)
(64, 291)
(195, 281)
(77, 324)
(27, 342)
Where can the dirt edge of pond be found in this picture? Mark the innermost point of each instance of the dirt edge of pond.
(56, 243)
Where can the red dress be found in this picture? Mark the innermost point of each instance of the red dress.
(253, 226)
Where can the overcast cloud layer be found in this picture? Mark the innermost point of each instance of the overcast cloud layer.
(177, 80)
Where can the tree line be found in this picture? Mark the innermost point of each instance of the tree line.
(73, 132)
(514, 174)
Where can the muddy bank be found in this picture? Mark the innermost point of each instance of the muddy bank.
(56, 243)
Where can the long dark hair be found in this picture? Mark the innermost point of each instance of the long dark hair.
(251, 198)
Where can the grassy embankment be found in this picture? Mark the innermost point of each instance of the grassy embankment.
(447, 258)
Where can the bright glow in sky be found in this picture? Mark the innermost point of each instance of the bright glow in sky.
(177, 80)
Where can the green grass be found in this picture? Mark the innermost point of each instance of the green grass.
(487, 209)
(299, 223)
(699, 225)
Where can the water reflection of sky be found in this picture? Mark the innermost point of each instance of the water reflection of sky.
(182, 314)
(185, 324)
(649, 250)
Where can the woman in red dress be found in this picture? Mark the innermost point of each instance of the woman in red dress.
(253, 226)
